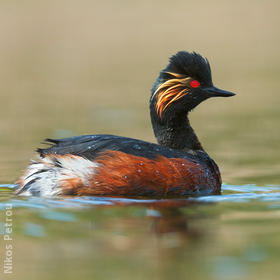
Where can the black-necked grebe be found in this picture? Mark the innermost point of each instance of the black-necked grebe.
(120, 166)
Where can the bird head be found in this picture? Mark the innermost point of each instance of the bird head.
(182, 85)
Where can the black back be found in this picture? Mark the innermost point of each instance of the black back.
(90, 146)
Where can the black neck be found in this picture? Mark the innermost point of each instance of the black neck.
(176, 133)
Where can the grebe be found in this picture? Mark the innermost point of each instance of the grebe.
(119, 166)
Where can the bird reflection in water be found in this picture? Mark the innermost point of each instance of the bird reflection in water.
(169, 219)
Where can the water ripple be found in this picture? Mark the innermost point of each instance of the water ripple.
(230, 193)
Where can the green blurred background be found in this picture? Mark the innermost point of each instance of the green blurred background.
(79, 67)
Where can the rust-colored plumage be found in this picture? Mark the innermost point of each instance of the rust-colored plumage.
(120, 173)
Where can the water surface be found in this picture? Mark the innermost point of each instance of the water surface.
(230, 236)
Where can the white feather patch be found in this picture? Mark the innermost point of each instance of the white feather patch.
(45, 177)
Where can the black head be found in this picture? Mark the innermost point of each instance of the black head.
(182, 85)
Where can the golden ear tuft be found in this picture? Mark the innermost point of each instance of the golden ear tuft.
(170, 91)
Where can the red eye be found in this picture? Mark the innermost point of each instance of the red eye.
(195, 84)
